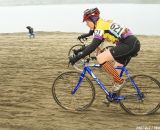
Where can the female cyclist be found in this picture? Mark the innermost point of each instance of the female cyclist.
(127, 44)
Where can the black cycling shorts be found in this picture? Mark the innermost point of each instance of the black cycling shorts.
(126, 49)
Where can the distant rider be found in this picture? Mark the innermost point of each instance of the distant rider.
(31, 32)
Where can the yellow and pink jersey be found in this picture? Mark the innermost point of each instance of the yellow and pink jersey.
(110, 31)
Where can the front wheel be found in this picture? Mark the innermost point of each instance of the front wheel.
(146, 103)
(62, 91)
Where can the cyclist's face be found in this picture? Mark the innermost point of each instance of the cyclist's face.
(90, 24)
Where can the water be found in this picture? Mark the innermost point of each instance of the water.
(140, 18)
(49, 2)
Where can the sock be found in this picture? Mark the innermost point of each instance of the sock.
(108, 67)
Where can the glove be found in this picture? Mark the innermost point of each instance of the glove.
(76, 51)
(82, 37)
(73, 60)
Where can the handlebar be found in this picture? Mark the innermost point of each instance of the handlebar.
(83, 40)
(85, 61)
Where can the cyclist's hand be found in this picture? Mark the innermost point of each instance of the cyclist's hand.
(72, 60)
(82, 38)
(76, 51)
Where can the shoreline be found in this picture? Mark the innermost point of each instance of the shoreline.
(49, 18)
(59, 32)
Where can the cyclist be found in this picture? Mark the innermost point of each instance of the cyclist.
(31, 32)
(126, 44)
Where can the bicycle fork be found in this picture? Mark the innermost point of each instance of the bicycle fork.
(79, 81)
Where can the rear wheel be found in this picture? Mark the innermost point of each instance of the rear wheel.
(79, 64)
(150, 102)
(75, 47)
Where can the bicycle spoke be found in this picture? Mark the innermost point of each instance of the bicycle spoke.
(64, 85)
(149, 87)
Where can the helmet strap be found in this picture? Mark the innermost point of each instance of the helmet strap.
(94, 19)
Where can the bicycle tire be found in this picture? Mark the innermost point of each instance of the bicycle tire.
(150, 87)
(79, 64)
(63, 86)
(78, 46)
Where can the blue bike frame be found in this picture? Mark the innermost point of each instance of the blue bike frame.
(110, 95)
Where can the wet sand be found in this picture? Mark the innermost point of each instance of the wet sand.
(28, 69)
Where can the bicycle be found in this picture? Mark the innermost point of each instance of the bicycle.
(91, 58)
(74, 91)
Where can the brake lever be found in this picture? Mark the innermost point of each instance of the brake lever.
(85, 39)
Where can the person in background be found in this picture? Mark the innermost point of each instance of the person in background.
(31, 32)
(126, 44)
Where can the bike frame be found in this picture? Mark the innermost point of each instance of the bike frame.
(110, 95)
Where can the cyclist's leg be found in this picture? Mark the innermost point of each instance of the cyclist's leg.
(104, 58)
(123, 52)
(120, 54)
(118, 64)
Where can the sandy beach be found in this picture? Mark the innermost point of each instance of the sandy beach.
(28, 68)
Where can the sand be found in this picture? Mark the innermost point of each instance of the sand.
(28, 68)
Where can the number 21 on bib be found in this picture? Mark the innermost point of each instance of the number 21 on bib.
(98, 32)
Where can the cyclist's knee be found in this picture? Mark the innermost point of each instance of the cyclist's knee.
(104, 56)
(100, 60)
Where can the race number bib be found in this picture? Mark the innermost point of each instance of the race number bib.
(116, 29)
(98, 33)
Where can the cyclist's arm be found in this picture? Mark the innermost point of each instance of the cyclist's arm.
(89, 49)
(87, 34)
